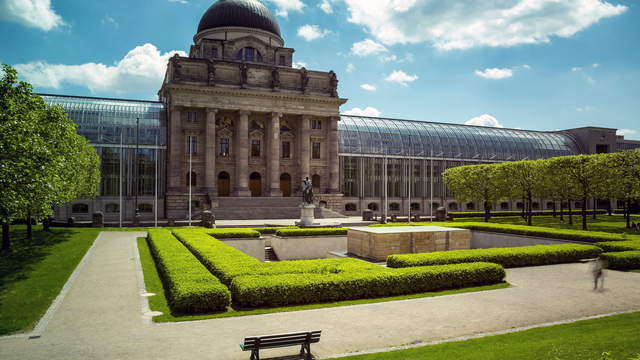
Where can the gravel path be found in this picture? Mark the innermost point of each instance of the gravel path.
(101, 317)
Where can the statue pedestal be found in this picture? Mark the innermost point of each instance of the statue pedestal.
(306, 215)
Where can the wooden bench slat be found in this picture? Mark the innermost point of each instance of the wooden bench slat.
(314, 332)
(280, 340)
(292, 338)
(278, 343)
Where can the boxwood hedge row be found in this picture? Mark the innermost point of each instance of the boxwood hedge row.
(624, 260)
(272, 230)
(463, 214)
(611, 246)
(507, 257)
(279, 290)
(232, 233)
(311, 232)
(190, 287)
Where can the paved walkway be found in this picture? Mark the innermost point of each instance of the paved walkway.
(101, 316)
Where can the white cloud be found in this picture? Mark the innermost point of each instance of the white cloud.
(299, 64)
(484, 120)
(389, 58)
(284, 6)
(526, 66)
(585, 108)
(624, 132)
(31, 13)
(495, 73)
(312, 32)
(141, 70)
(465, 24)
(576, 69)
(351, 68)
(368, 87)
(108, 20)
(368, 111)
(401, 77)
(367, 47)
(325, 6)
(179, 1)
(595, 65)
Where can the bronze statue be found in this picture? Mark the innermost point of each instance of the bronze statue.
(307, 191)
(211, 69)
(177, 71)
(304, 77)
(333, 84)
(275, 78)
(244, 69)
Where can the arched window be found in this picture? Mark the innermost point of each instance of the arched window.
(415, 206)
(112, 208)
(504, 206)
(373, 206)
(435, 205)
(453, 206)
(350, 207)
(80, 208)
(249, 54)
(145, 208)
(535, 206)
(193, 178)
(394, 206)
(551, 205)
(471, 206)
(315, 181)
(519, 205)
(578, 204)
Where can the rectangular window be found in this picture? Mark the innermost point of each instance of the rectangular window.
(192, 116)
(191, 144)
(282, 60)
(224, 147)
(248, 54)
(316, 124)
(255, 148)
(214, 53)
(315, 154)
(286, 150)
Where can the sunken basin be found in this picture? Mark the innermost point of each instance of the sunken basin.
(379, 242)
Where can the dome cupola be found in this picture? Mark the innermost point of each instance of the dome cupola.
(239, 13)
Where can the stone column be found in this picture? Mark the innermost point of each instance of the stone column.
(334, 164)
(210, 181)
(175, 150)
(273, 155)
(305, 155)
(242, 155)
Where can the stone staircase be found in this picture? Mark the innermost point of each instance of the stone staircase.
(269, 254)
(246, 208)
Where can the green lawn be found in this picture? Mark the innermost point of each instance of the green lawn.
(583, 340)
(605, 223)
(32, 275)
(158, 302)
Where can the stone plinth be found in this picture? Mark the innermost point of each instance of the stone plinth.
(379, 242)
(306, 215)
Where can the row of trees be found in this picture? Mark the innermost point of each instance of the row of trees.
(43, 160)
(566, 178)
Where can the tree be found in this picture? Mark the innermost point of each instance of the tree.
(520, 179)
(474, 182)
(557, 183)
(43, 161)
(585, 174)
(625, 171)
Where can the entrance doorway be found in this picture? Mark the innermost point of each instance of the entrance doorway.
(255, 184)
(224, 186)
(285, 184)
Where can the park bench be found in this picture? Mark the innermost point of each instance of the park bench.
(304, 339)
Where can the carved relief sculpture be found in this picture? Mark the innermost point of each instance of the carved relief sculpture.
(275, 78)
(333, 84)
(177, 71)
(211, 69)
(304, 77)
(244, 69)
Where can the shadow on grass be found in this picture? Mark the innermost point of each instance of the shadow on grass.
(25, 253)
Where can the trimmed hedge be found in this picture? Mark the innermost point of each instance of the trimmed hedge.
(539, 231)
(507, 257)
(625, 260)
(272, 230)
(311, 232)
(464, 214)
(612, 246)
(190, 287)
(232, 233)
(280, 290)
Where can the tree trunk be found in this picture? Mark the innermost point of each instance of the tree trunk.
(570, 213)
(584, 212)
(524, 205)
(529, 213)
(29, 226)
(609, 210)
(554, 209)
(6, 239)
(487, 212)
(595, 208)
(45, 225)
(561, 211)
(627, 214)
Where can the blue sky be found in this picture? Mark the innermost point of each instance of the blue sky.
(532, 64)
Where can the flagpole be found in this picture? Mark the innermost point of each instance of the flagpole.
(155, 194)
(431, 187)
(120, 209)
(190, 155)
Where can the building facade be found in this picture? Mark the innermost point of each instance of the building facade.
(237, 128)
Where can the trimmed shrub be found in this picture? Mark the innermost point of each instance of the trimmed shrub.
(507, 257)
(612, 246)
(279, 290)
(232, 233)
(467, 214)
(272, 230)
(625, 260)
(191, 288)
(311, 232)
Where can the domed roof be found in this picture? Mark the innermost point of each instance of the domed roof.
(244, 13)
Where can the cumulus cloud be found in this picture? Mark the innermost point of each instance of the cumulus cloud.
(312, 32)
(140, 70)
(624, 132)
(108, 20)
(284, 6)
(351, 68)
(368, 111)
(484, 120)
(31, 13)
(495, 73)
(400, 77)
(585, 108)
(367, 47)
(465, 24)
(368, 87)
(299, 64)
(325, 6)
(179, 1)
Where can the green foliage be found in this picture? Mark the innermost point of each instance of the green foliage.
(190, 287)
(477, 183)
(311, 232)
(232, 233)
(466, 214)
(271, 230)
(630, 245)
(507, 257)
(625, 260)
(277, 290)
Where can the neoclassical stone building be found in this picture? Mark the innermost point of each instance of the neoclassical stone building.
(241, 118)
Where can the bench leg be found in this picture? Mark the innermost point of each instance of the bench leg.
(255, 354)
(305, 351)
